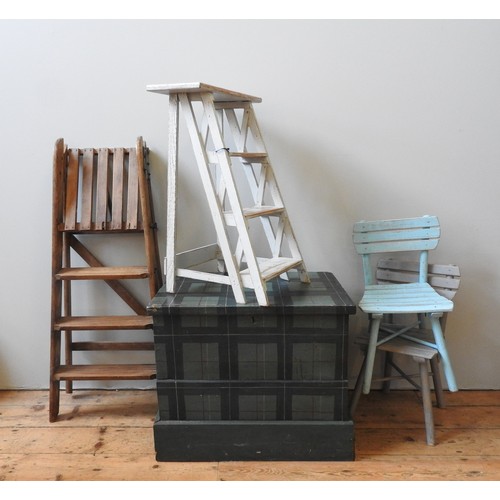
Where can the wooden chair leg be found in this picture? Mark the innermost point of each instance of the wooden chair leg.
(371, 351)
(54, 390)
(54, 385)
(68, 348)
(67, 310)
(426, 400)
(438, 386)
(387, 372)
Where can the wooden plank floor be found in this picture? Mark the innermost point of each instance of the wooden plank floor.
(107, 435)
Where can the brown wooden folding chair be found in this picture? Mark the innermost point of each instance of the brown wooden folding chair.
(100, 192)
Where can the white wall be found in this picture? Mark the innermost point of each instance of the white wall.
(363, 120)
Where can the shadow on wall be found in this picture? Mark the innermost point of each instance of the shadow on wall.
(4, 373)
(319, 200)
(319, 192)
(330, 193)
(158, 177)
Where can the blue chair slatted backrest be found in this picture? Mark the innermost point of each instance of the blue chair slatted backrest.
(396, 235)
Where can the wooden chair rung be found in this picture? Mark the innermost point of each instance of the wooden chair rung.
(112, 346)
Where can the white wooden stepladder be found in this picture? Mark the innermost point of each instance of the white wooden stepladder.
(225, 136)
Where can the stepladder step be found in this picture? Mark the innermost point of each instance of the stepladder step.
(104, 323)
(103, 273)
(254, 212)
(270, 268)
(106, 372)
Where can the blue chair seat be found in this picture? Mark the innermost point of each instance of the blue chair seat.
(403, 298)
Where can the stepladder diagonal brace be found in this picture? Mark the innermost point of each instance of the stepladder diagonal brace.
(255, 240)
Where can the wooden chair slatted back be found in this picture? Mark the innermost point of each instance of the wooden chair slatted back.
(100, 191)
(444, 278)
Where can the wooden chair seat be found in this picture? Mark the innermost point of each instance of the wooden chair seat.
(409, 348)
(422, 355)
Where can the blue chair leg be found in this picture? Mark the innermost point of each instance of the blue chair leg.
(357, 389)
(426, 400)
(371, 351)
(443, 352)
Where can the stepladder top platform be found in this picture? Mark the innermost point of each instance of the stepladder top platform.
(220, 94)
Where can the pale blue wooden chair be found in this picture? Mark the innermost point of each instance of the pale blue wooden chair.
(419, 234)
(445, 279)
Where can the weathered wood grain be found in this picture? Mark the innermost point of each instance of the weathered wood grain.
(108, 435)
(366, 469)
(102, 467)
